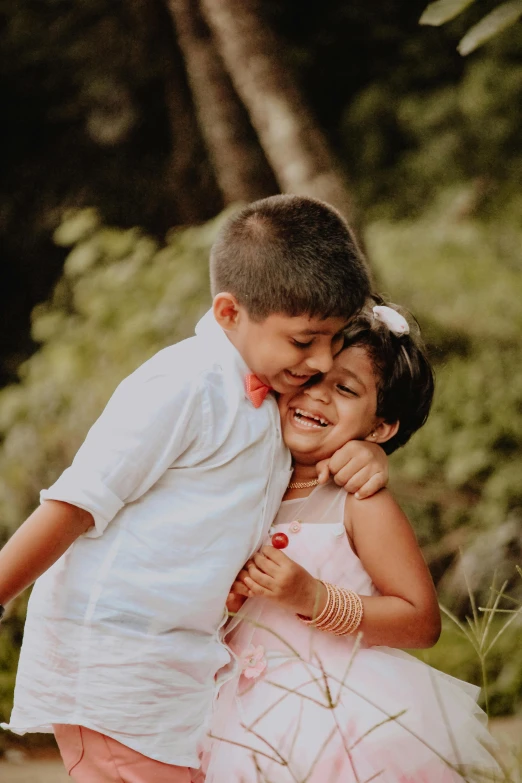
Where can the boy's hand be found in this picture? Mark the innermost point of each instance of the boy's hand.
(271, 574)
(359, 466)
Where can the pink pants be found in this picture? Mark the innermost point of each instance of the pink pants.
(91, 757)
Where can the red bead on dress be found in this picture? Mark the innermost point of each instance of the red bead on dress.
(279, 540)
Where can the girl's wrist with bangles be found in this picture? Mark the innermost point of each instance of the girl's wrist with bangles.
(342, 613)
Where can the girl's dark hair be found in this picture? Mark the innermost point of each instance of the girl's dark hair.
(405, 377)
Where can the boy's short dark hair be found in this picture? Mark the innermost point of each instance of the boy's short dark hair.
(405, 383)
(293, 255)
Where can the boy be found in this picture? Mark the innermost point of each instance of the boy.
(138, 542)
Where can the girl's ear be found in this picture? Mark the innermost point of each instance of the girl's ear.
(383, 431)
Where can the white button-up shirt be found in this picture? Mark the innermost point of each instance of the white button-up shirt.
(183, 477)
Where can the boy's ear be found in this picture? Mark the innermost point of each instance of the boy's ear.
(383, 431)
(226, 310)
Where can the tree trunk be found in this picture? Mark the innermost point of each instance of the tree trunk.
(190, 190)
(190, 177)
(293, 142)
(240, 166)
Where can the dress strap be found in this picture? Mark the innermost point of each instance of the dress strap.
(328, 504)
(324, 505)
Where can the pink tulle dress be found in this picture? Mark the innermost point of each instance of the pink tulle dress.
(305, 705)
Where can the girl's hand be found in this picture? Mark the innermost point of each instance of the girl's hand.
(235, 601)
(271, 574)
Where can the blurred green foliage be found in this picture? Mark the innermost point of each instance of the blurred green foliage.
(123, 296)
(411, 133)
(452, 272)
(460, 476)
(407, 114)
(88, 102)
(454, 655)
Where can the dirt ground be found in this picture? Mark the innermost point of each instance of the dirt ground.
(33, 772)
(18, 768)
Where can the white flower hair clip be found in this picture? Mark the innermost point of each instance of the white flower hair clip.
(395, 322)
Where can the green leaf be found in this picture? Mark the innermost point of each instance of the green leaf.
(502, 17)
(442, 11)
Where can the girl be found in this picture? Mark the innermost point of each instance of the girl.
(321, 696)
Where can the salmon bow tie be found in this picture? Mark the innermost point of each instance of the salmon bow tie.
(256, 390)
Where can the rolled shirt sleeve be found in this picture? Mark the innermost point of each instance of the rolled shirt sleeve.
(151, 420)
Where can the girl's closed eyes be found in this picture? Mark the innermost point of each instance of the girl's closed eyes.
(346, 390)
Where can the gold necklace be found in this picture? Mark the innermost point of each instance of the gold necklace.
(303, 484)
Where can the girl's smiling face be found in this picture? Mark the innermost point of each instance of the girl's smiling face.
(318, 420)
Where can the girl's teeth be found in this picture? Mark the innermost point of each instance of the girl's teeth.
(320, 422)
(309, 424)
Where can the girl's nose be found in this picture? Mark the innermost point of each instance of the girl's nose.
(319, 392)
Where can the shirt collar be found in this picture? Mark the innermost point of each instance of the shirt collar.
(213, 335)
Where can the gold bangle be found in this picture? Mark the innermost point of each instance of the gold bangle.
(338, 616)
(326, 611)
(342, 613)
(332, 607)
(355, 617)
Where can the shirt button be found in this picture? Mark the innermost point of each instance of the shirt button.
(295, 526)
